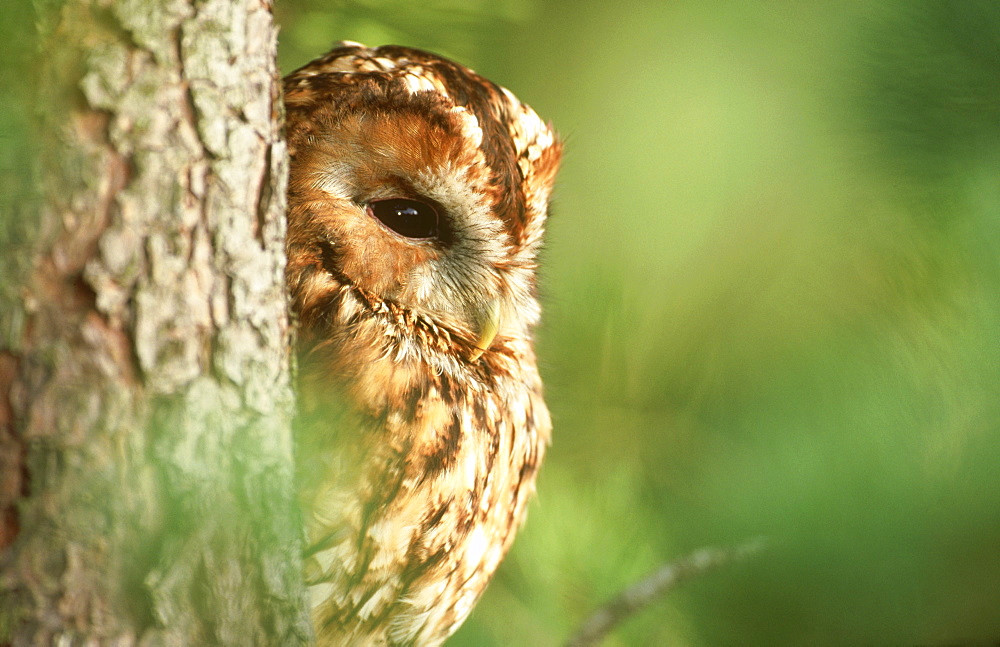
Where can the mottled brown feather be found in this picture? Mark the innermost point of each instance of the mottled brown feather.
(417, 456)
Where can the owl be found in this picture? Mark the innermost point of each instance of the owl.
(418, 195)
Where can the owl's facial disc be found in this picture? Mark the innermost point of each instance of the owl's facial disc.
(419, 221)
(407, 207)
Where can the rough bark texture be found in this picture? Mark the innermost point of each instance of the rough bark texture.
(144, 380)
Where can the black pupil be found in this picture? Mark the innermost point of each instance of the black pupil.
(409, 218)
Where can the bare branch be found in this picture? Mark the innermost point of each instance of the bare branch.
(661, 581)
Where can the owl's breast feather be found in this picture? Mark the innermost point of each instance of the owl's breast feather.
(419, 500)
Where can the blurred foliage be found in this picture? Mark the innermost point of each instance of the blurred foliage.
(18, 77)
(772, 307)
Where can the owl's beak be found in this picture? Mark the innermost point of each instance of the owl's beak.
(488, 325)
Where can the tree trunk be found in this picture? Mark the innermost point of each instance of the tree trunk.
(145, 405)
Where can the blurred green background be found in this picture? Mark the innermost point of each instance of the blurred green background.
(772, 290)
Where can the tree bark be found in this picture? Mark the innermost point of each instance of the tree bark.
(146, 472)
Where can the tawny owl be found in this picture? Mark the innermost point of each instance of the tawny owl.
(417, 200)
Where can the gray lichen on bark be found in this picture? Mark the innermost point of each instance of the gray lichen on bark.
(150, 383)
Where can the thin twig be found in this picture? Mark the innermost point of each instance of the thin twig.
(661, 581)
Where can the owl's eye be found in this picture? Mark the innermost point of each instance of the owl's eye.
(410, 218)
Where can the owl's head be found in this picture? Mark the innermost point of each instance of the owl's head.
(419, 183)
